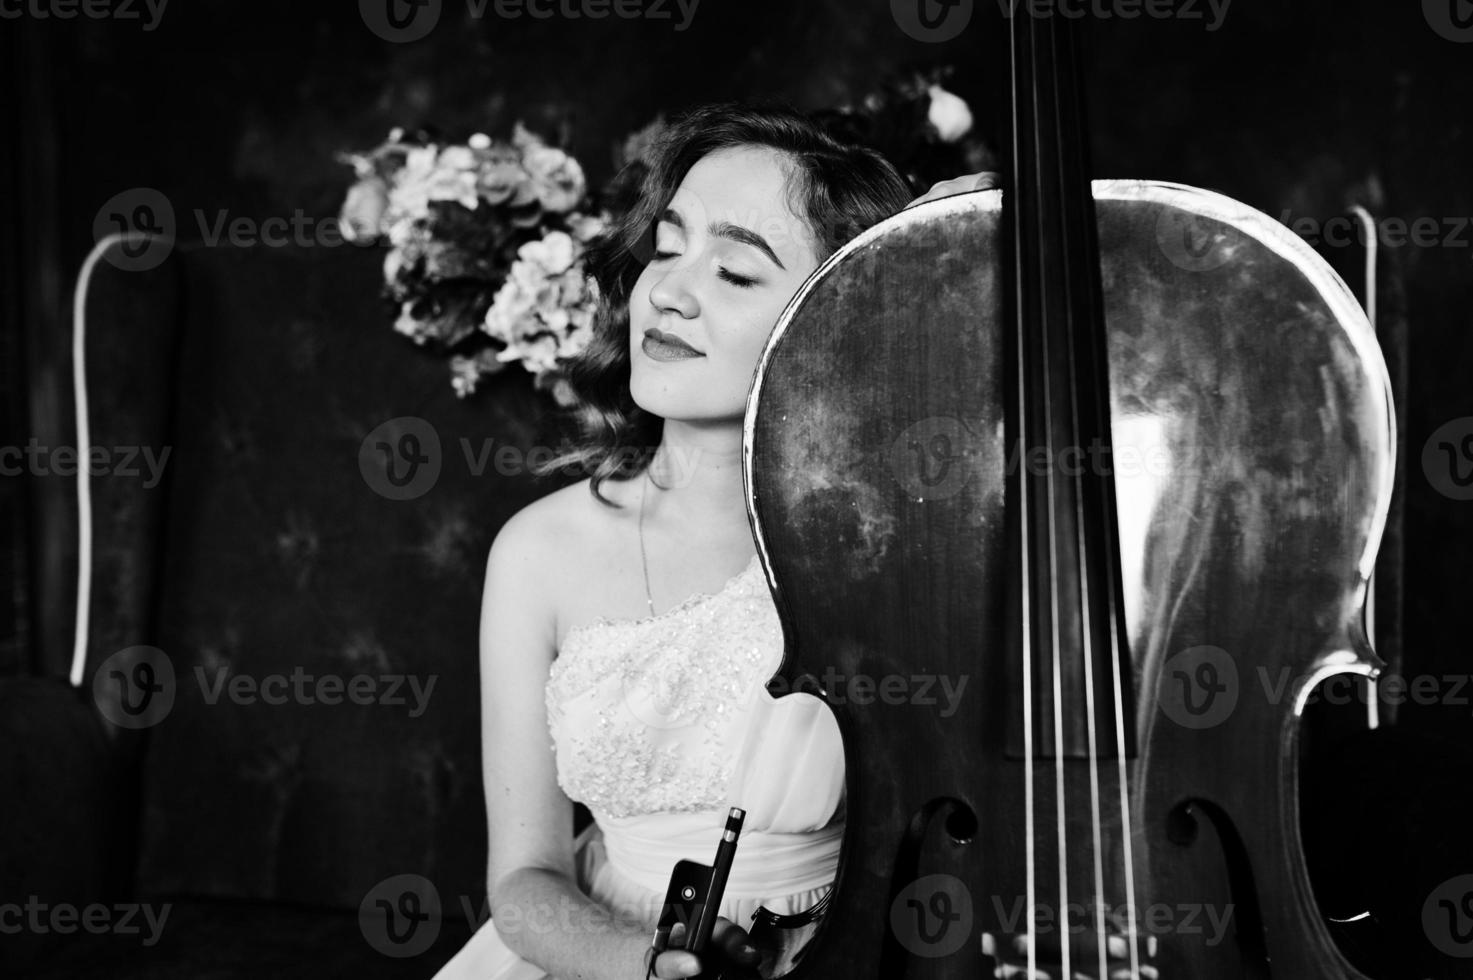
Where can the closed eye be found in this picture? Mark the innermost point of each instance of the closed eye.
(736, 280)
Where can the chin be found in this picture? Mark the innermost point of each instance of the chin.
(682, 400)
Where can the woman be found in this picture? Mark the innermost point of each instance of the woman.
(627, 616)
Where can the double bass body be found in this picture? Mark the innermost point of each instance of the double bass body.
(1252, 461)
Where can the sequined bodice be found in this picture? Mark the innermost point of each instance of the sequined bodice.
(647, 714)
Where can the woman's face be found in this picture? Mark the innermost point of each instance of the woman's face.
(728, 255)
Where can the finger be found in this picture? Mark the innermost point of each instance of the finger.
(984, 180)
(735, 942)
(676, 963)
(1146, 973)
(1084, 949)
(1084, 952)
(956, 185)
(724, 927)
(940, 189)
(1125, 943)
(1010, 972)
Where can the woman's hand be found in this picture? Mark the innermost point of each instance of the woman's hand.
(731, 955)
(981, 181)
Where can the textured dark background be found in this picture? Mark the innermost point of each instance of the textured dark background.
(1297, 108)
(1294, 108)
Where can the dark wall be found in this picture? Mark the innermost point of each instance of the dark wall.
(1296, 108)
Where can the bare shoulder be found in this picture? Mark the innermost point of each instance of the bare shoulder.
(559, 545)
(562, 526)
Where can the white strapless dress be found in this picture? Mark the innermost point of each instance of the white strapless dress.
(659, 725)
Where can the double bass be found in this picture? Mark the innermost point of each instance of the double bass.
(1119, 454)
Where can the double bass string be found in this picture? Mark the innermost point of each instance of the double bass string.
(1024, 531)
(1042, 126)
(1050, 528)
(1067, 54)
(1050, 96)
(1065, 175)
(1070, 57)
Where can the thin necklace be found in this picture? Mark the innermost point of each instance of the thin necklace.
(644, 561)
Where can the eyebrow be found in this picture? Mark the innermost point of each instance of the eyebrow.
(731, 232)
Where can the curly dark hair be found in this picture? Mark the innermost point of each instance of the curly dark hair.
(840, 188)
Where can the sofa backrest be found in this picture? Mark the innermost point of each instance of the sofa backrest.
(323, 733)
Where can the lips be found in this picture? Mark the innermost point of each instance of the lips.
(670, 340)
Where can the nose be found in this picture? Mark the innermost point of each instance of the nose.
(671, 291)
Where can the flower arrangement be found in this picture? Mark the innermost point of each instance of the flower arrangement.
(485, 246)
(487, 238)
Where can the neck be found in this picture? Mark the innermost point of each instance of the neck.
(698, 473)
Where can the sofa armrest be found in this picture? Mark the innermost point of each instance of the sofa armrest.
(68, 837)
